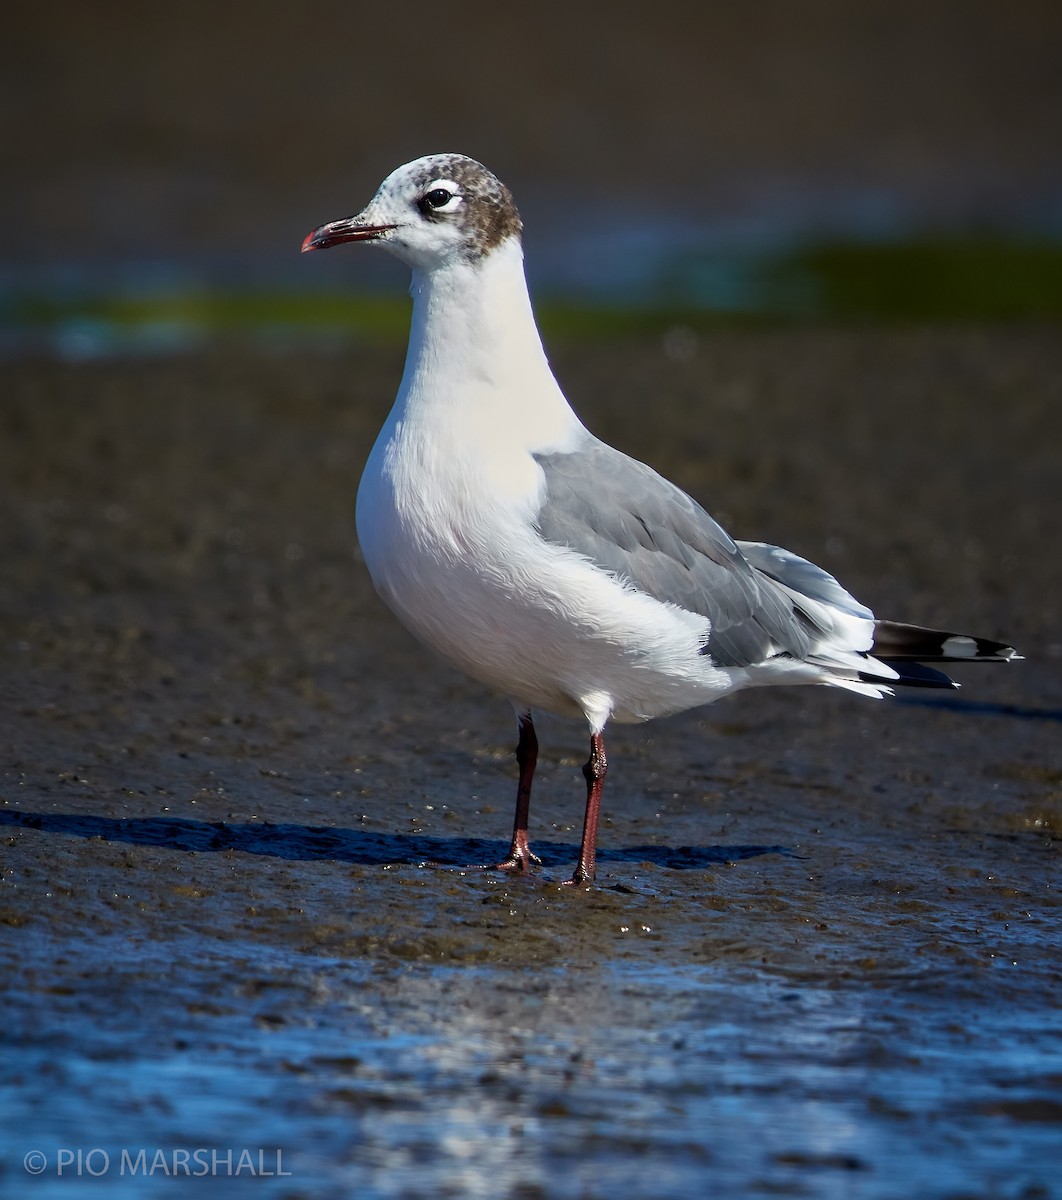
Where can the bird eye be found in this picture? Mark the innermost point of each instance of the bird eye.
(435, 200)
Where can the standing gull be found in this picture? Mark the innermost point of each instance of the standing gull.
(542, 562)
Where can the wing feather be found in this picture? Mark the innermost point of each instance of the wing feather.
(631, 521)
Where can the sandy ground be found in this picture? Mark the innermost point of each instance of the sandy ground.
(822, 954)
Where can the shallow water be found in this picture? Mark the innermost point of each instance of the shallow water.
(394, 1078)
(822, 956)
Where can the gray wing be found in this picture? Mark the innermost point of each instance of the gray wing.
(796, 573)
(631, 521)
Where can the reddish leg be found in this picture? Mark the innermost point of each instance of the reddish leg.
(520, 856)
(594, 773)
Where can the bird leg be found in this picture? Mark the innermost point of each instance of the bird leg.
(594, 774)
(520, 856)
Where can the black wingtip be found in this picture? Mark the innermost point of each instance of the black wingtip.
(913, 674)
(895, 641)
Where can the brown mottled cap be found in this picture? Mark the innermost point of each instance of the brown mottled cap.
(485, 213)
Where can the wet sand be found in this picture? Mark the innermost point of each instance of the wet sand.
(822, 955)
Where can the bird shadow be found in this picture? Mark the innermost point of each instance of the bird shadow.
(311, 843)
(1024, 712)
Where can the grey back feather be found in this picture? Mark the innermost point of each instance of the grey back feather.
(631, 521)
(802, 576)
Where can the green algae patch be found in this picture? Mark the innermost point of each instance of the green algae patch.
(919, 281)
(989, 279)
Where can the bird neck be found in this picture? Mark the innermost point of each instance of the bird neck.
(474, 344)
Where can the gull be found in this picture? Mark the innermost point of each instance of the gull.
(556, 570)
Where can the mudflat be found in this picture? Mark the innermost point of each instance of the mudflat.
(239, 803)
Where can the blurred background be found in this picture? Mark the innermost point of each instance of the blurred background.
(759, 157)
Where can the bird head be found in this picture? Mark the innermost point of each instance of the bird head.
(430, 213)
